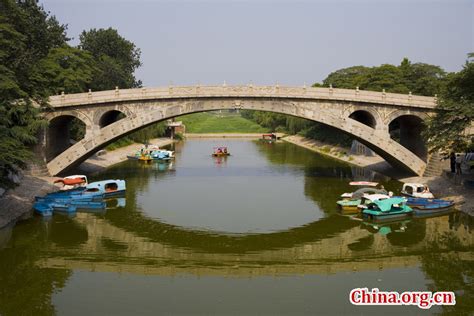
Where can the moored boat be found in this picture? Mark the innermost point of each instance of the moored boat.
(270, 138)
(363, 184)
(417, 190)
(163, 155)
(72, 182)
(46, 208)
(387, 209)
(107, 187)
(423, 206)
(89, 197)
(361, 197)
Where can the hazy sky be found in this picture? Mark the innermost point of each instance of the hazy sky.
(264, 42)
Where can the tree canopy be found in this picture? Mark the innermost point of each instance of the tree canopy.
(116, 59)
(27, 34)
(36, 61)
(451, 128)
(418, 78)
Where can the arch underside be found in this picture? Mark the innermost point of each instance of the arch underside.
(148, 113)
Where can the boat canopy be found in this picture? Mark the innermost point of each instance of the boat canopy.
(416, 187)
(106, 186)
(364, 183)
(386, 205)
(376, 197)
(364, 191)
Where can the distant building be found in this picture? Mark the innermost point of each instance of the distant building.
(173, 127)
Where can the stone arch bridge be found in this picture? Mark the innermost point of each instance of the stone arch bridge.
(367, 116)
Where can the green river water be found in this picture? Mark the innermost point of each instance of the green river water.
(255, 233)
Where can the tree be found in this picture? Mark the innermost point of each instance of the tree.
(27, 34)
(451, 128)
(67, 69)
(347, 78)
(116, 59)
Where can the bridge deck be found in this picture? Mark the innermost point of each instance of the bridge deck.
(248, 91)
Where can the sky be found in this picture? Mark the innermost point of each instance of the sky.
(185, 42)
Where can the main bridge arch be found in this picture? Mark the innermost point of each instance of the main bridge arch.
(332, 107)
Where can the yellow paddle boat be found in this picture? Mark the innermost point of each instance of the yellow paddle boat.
(220, 152)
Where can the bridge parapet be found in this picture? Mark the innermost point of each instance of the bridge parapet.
(178, 92)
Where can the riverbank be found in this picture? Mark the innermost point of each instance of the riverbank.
(16, 204)
(451, 187)
(228, 135)
(375, 163)
(446, 186)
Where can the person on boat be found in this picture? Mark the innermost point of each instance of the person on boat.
(225, 150)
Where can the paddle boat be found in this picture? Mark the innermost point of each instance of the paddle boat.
(72, 182)
(365, 184)
(141, 155)
(89, 197)
(157, 150)
(270, 138)
(220, 152)
(99, 189)
(386, 209)
(107, 187)
(417, 190)
(46, 208)
(163, 155)
(84, 196)
(349, 206)
(423, 206)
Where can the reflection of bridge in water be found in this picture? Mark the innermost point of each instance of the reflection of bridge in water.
(110, 248)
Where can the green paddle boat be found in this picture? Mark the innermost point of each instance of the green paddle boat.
(387, 209)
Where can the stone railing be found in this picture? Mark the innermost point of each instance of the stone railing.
(250, 91)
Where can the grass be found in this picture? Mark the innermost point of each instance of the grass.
(122, 142)
(216, 122)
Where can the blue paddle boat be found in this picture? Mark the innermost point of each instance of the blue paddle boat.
(84, 196)
(46, 208)
(107, 188)
(89, 197)
(159, 154)
(423, 206)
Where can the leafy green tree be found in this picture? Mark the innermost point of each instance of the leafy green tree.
(419, 78)
(449, 129)
(27, 34)
(116, 59)
(67, 69)
(346, 78)
(388, 77)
